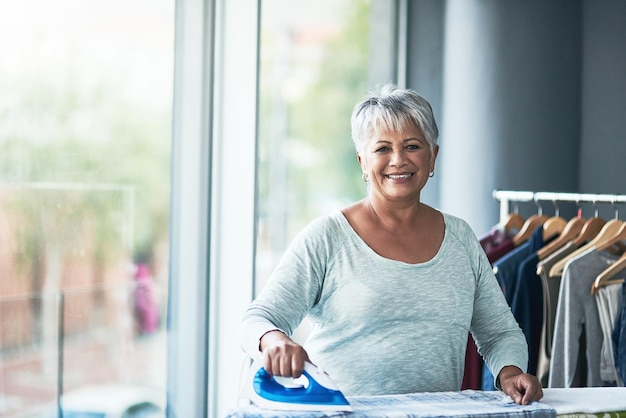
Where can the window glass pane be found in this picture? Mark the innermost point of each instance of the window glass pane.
(314, 67)
(85, 128)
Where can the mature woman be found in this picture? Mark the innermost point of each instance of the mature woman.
(392, 286)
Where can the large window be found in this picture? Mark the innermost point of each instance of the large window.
(85, 130)
(314, 66)
(154, 160)
(285, 157)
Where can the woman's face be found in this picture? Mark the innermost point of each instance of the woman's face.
(397, 163)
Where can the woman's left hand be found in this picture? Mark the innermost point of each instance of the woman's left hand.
(522, 387)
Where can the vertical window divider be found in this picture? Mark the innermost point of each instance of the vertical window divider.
(191, 196)
(233, 204)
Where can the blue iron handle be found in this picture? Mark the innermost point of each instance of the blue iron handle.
(266, 386)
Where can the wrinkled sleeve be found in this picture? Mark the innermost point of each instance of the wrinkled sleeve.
(293, 288)
(499, 338)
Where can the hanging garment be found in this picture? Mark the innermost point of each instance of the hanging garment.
(609, 299)
(527, 302)
(550, 290)
(506, 267)
(506, 270)
(577, 310)
(496, 243)
(494, 237)
(619, 338)
(473, 371)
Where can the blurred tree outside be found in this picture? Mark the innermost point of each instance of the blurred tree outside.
(95, 178)
(73, 134)
(322, 118)
(117, 144)
(84, 175)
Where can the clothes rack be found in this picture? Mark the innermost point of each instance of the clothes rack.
(569, 302)
(505, 197)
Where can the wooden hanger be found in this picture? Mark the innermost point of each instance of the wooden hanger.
(532, 223)
(553, 226)
(613, 240)
(609, 229)
(606, 277)
(513, 222)
(591, 229)
(570, 231)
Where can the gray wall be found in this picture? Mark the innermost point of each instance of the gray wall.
(425, 45)
(529, 95)
(603, 132)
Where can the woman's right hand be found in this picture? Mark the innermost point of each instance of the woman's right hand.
(281, 355)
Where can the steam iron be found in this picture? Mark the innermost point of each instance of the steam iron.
(313, 391)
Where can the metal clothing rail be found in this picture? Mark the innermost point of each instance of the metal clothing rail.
(505, 197)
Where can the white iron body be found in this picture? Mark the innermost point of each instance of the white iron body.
(313, 391)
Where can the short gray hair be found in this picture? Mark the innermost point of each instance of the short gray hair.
(392, 109)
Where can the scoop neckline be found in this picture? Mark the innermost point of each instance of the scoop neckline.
(361, 242)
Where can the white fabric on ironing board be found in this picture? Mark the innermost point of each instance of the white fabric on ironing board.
(467, 403)
(585, 400)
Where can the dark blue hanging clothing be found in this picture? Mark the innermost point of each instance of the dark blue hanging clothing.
(507, 271)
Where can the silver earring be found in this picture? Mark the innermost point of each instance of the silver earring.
(364, 177)
(431, 174)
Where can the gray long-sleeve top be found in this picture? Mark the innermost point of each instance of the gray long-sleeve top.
(381, 326)
(577, 312)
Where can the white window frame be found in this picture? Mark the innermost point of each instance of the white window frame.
(188, 307)
(233, 238)
(212, 233)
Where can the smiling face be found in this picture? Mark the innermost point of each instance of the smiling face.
(397, 163)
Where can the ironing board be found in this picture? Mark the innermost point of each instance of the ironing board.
(607, 402)
(467, 403)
